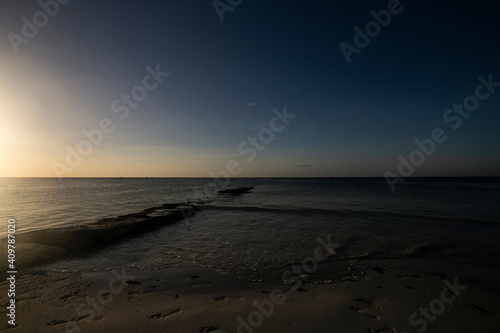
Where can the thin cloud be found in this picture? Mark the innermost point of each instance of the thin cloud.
(254, 104)
(304, 166)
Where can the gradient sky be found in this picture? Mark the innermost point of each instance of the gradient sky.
(226, 77)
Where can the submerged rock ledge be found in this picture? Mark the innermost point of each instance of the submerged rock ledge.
(33, 246)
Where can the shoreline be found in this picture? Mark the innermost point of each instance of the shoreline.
(195, 299)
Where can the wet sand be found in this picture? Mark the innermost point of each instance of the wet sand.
(377, 296)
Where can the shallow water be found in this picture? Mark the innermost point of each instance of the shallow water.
(257, 234)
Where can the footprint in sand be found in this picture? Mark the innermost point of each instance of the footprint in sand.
(80, 318)
(132, 282)
(480, 309)
(161, 316)
(378, 269)
(366, 312)
(76, 319)
(362, 300)
(56, 322)
(65, 297)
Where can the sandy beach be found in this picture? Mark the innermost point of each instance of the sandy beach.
(376, 296)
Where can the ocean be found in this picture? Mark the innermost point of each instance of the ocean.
(256, 235)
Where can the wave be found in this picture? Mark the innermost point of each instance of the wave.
(40, 246)
(353, 213)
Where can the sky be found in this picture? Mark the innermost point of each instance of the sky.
(273, 71)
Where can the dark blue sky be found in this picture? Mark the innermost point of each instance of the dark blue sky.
(353, 119)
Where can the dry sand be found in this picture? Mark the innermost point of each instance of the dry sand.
(380, 296)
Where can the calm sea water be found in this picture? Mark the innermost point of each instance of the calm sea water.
(450, 219)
